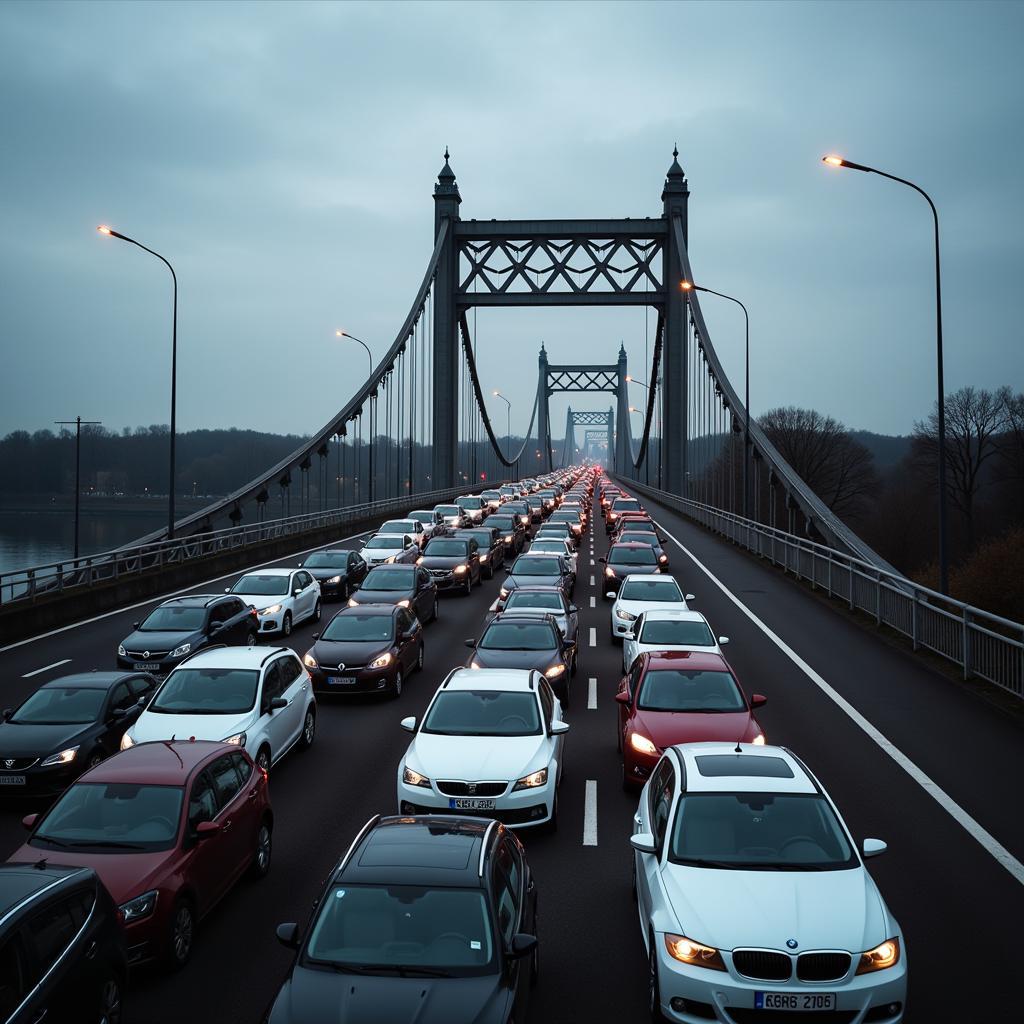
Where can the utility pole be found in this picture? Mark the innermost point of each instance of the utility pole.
(77, 423)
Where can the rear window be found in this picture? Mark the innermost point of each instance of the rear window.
(447, 548)
(533, 599)
(751, 766)
(683, 634)
(518, 636)
(524, 565)
(632, 556)
(660, 590)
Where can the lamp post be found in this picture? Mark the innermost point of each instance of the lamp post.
(688, 286)
(837, 161)
(77, 421)
(369, 356)
(508, 423)
(104, 230)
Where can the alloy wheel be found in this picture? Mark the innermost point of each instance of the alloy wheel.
(396, 689)
(316, 610)
(250, 638)
(286, 626)
(110, 1002)
(419, 659)
(263, 760)
(182, 934)
(309, 728)
(264, 848)
(95, 759)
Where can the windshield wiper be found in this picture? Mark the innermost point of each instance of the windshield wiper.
(110, 843)
(402, 970)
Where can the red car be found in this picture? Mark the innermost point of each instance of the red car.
(169, 828)
(674, 697)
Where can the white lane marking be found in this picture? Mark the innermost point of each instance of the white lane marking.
(175, 593)
(985, 838)
(590, 814)
(593, 601)
(591, 694)
(591, 580)
(593, 637)
(591, 561)
(45, 668)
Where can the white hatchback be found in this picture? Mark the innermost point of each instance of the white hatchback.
(386, 548)
(668, 629)
(282, 597)
(640, 593)
(555, 546)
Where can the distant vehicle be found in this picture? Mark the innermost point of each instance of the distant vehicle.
(283, 598)
(551, 601)
(649, 537)
(429, 518)
(638, 594)
(490, 545)
(627, 559)
(409, 586)
(453, 516)
(492, 497)
(555, 546)
(413, 527)
(454, 563)
(474, 506)
(336, 570)
(620, 505)
(530, 570)
(390, 548)
(662, 629)
(511, 529)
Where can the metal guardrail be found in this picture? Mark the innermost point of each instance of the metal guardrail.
(43, 581)
(982, 644)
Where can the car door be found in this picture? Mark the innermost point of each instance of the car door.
(507, 887)
(425, 595)
(217, 630)
(656, 810)
(632, 681)
(407, 639)
(356, 571)
(121, 711)
(237, 622)
(474, 560)
(294, 689)
(235, 817)
(309, 595)
(205, 872)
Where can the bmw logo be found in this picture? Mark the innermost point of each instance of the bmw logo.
(792, 943)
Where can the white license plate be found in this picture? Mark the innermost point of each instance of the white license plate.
(12, 780)
(340, 680)
(148, 666)
(470, 804)
(797, 1002)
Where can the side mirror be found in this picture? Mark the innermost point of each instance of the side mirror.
(522, 945)
(643, 842)
(6, 713)
(409, 724)
(288, 935)
(215, 628)
(758, 700)
(559, 728)
(691, 597)
(573, 608)
(277, 703)
(316, 636)
(603, 561)
(722, 641)
(29, 821)
(116, 713)
(871, 847)
(629, 636)
(609, 593)
(300, 565)
(205, 829)
(227, 590)
(622, 697)
(143, 700)
(135, 625)
(470, 643)
(296, 591)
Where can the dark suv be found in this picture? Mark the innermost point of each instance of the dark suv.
(178, 628)
(432, 919)
(62, 956)
(453, 562)
(491, 548)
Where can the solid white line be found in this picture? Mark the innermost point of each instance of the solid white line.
(590, 814)
(985, 838)
(593, 601)
(45, 668)
(593, 637)
(591, 694)
(175, 593)
(591, 580)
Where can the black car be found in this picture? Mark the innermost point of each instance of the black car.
(66, 727)
(178, 628)
(539, 570)
(371, 648)
(454, 563)
(573, 517)
(650, 537)
(527, 640)
(425, 919)
(405, 585)
(551, 601)
(491, 547)
(62, 956)
(511, 529)
(624, 559)
(521, 509)
(537, 511)
(337, 571)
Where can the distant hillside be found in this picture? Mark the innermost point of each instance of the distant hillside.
(886, 449)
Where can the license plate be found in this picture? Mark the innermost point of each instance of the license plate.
(12, 780)
(148, 666)
(797, 1002)
(341, 680)
(470, 804)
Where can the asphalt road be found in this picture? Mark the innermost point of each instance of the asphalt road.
(958, 904)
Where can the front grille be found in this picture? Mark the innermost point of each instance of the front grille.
(763, 964)
(749, 1016)
(822, 966)
(148, 656)
(347, 669)
(452, 788)
(17, 764)
(440, 572)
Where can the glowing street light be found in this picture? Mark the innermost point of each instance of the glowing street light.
(508, 423)
(369, 356)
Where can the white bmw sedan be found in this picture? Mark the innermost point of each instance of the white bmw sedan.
(668, 629)
(753, 898)
(640, 593)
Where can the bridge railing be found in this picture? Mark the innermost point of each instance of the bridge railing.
(43, 581)
(982, 644)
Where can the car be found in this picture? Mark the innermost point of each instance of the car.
(493, 498)
(627, 560)
(665, 629)
(474, 507)
(754, 899)
(452, 516)
(549, 600)
(425, 918)
(649, 537)
(430, 519)
(283, 598)
(490, 547)
(508, 492)
(409, 586)
(530, 570)
(453, 562)
(412, 527)
(183, 625)
(390, 548)
(254, 697)
(632, 520)
(368, 649)
(555, 546)
(535, 504)
(638, 594)
(337, 571)
(511, 530)
(557, 531)
(671, 697)
(571, 516)
(169, 828)
(62, 954)
(490, 742)
(618, 506)
(67, 726)
(530, 640)
(518, 507)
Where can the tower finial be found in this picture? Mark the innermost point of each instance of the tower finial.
(675, 151)
(446, 154)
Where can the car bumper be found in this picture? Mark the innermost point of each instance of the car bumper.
(154, 668)
(451, 582)
(37, 783)
(524, 809)
(331, 589)
(621, 626)
(367, 680)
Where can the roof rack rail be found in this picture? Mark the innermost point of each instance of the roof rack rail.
(355, 842)
(271, 653)
(483, 846)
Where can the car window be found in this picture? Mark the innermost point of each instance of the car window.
(121, 698)
(202, 802)
(508, 908)
(14, 981)
(634, 676)
(405, 621)
(140, 686)
(221, 612)
(242, 766)
(52, 929)
(289, 668)
(226, 782)
(662, 789)
(272, 686)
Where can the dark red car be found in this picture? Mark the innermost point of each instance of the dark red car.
(674, 697)
(169, 828)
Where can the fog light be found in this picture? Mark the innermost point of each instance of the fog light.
(380, 684)
(408, 808)
(678, 1003)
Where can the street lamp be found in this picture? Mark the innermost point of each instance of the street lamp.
(508, 421)
(688, 286)
(77, 421)
(369, 356)
(633, 380)
(837, 161)
(104, 230)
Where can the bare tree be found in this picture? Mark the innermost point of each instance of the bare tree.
(1011, 447)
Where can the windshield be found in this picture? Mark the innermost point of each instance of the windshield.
(327, 560)
(173, 619)
(61, 705)
(348, 626)
(469, 502)
(532, 599)
(388, 579)
(759, 831)
(263, 585)
(483, 713)
(388, 928)
(688, 634)
(518, 636)
(447, 548)
(651, 590)
(632, 556)
(625, 505)
(385, 542)
(113, 815)
(526, 566)
(449, 510)
(206, 691)
(398, 526)
(693, 690)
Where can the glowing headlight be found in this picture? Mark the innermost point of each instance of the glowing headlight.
(758, 740)
(180, 652)
(334, 579)
(555, 671)
(460, 569)
(621, 613)
(532, 781)
(483, 558)
(641, 744)
(238, 739)
(121, 651)
(524, 519)
(475, 664)
(609, 571)
(663, 559)
(885, 954)
(503, 592)
(272, 610)
(64, 757)
(413, 778)
(309, 661)
(696, 954)
(127, 741)
(382, 662)
(404, 603)
(419, 561)
(352, 602)
(138, 908)
(509, 537)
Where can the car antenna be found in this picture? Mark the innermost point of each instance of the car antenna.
(167, 744)
(40, 865)
(739, 749)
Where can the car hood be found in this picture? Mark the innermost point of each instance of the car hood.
(152, 725)
(26, 740)
(329, 653)
(443, 561)
(374, 555)
(539, 660)
(331, 998)
(362, 596)
(475, 758)
(668, 727)
(531, 581)
(326, 574)
(153, 640)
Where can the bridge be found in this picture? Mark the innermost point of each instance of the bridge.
(891, 718)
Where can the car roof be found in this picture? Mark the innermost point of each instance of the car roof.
(193, 600)
(391, 566)
(370, 608)
(648, 577)
(694, 660)
(269, 572)
(234, 657)
(161, 763)
(735, 777)
(673, 614)
(490, 679)
(543, 588)
(90, 680)
(20, 881)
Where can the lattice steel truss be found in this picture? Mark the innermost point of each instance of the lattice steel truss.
(591, 419)
(583, 378)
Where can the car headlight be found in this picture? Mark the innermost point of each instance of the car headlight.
(388, 561)
(758, 740)
(238, 739)
(127, 741)
(483, 558)
(609, 571)
(272, 610)
(524, 519)
(121, 652)
(503, 592)
(696, 954)
(352, 602)
(334, 579)
(460, 569)
(419, 561)
(180, 652)
(532, 781)
(641, 744)
(382, 662)
(404, 603)
(508, 537)
(885, 954)
(309, 661)
(413, 778)
(555, 670)
(64, 757)
(475, 664)
(621, 613)
(138, 908)
(663, 559)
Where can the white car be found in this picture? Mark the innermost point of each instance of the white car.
(428, 519)
(489, 744)
(555, 546)
(640, 593)
(753, 897)
(667, 629)
(282, 597)
(412, 527)
(259, 698)
(474, 506)
(384, 548)
(452, 516)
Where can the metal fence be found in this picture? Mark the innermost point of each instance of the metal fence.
(43, 581)
(982, 644)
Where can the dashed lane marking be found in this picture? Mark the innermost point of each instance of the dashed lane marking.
(591, 694)
(593, 601)
(593, 637)
(590, 814)
(45, 668)
(592, 581)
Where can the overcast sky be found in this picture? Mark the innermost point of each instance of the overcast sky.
(283, 158)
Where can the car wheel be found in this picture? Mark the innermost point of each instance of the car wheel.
(396, 686)
(308, 729)
(654, 988)
(262, 760)
(183, 931)
(286, 626)
(94, 759)
(251, 638)
(344, 591)
(264, 850)
(317, 609)
(108, 1010)
(419, 659)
